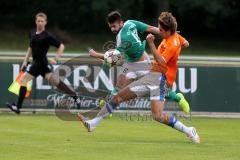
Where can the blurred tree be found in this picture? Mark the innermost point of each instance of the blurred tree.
(214, 16)
(217, 16)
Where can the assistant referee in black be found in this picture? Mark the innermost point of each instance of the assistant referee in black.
(40, 41)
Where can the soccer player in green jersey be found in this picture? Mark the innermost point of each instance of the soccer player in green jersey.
(136, 61)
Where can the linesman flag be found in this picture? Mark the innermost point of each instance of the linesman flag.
(15, 86)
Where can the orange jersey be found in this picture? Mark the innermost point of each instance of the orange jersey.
(169, 49)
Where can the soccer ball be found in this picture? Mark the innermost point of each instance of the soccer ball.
(112, 57)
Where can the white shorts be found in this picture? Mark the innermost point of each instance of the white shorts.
(136, 70)
(152, 84)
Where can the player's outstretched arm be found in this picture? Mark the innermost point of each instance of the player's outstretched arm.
(152, 29)
(143, 27)
(95, 54)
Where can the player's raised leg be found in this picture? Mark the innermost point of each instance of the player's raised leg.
(180, 99)
(55, 81)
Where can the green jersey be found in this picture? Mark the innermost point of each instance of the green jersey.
(128, 41)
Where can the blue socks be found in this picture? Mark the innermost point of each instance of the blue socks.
(172, 121)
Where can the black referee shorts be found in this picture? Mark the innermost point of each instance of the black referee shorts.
(36, 69)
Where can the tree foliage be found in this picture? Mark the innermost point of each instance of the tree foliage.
(219, 16)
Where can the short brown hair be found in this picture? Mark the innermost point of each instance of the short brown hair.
(41, 14)
(168, 22)
(113, 17)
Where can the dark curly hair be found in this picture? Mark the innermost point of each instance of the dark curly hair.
(113, 17)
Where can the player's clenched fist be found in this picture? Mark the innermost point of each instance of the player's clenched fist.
(150, 38)
(92, 53)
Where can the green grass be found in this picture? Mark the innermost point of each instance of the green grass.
(46, 137)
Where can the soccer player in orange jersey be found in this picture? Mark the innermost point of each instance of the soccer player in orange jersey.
(157, 82)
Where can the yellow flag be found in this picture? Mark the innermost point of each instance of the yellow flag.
(15, 86)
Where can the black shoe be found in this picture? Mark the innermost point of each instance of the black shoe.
(13, 108)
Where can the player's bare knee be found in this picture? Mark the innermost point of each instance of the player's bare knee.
(117, 99)
(123, 81)
(53, 80)
(158, 117)
(120, 82)
(23, 81)
(155, 117)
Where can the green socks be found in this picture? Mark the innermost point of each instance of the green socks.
(173, 96)
(114, 91)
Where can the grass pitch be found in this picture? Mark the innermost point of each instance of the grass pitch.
(46, 137)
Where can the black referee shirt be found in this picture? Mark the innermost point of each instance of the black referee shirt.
(40, 44)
